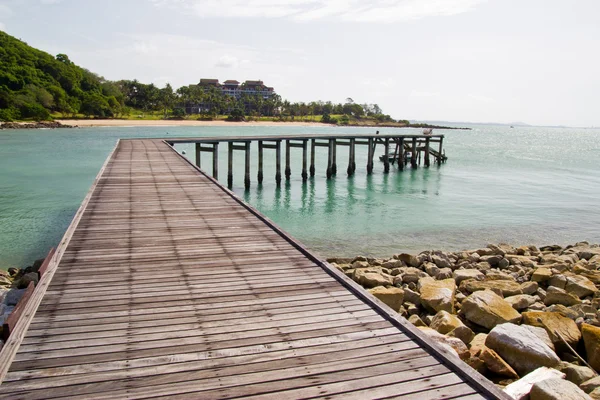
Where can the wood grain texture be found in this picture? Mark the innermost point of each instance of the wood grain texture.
(167, 285)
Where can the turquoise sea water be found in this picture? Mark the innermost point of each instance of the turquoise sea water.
(521, 185)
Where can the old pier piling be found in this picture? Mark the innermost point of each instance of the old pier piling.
(406, 149)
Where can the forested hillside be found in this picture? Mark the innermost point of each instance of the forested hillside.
(36, 86)
(33, 84)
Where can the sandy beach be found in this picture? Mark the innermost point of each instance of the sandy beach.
(124, 122)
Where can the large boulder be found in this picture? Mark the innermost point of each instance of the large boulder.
(591, 340)
(408, 259)
(487, 309)
(541, 275)
(519, 390)
(557, 389)
(521, 348)
(556, 295)
(437, 295)
(393, 297)
(580, 286)
(372, 279)
(555, 324)
(507, 288)
(576, 373)
(591, 384)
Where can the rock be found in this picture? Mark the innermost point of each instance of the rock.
(391, 264)
(591, 340)
(477, 344)
(580, 286)
(445, 273)
(492, 260)
(556, 389)
(464, 274)
(412, 296)
(591, 384)
(409, 259)
(507, 288)
(564, 311)
(555, 324)
(504, 263)
(576, 373)
(487, 309)
(393, 297)
(360, 263)
(410, 274)
(541, 275)
(520, 389)
(444, 322)
(529, 287)
(437, 295)
(464, 333)
(441, 261)
(453, 344)
(521, 260)
(520, 348)
(26, 279)
(496, 364)
(541, 334)
(431, 269)
(558, 281)
(416, 321)
(555, 295)
(13, 296)
(494, 275)
(595, 394)
(371, 279)
(521, 301)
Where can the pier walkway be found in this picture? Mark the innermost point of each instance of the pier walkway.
(167, 285)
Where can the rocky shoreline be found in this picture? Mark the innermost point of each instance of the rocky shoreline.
(13, 284)
(34, 125)
(527, 318)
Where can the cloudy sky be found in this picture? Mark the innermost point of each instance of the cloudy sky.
(535, 61)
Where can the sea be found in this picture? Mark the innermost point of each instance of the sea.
(521, 185)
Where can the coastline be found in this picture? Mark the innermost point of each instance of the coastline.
(81, 123)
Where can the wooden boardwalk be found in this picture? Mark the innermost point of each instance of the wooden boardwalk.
(166, 285)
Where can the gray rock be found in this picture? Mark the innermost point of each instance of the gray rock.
(591, 384)
(521, 301)
(411, 296)
(576, 373)
(445, 273)
(13, 296)
(441, 261)
(580, 286)
(555, 295)
(464, 274)
(521, 348)
(557, 389)
(487, 309)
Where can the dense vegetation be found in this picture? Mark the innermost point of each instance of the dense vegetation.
(37, 86)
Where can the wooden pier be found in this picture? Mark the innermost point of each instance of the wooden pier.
(168, 285)
(395, 148)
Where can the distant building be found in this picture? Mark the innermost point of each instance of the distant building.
(231, 88)
(235, 89)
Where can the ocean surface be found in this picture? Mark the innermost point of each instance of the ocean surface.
(527, 185)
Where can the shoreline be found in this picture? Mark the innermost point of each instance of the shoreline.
(89, 123)
(504, 310)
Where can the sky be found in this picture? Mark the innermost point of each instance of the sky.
(532, 61)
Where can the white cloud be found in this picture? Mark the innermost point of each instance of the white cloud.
(2, 27)
(143, 47)
(229, 61)
(310, 10)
